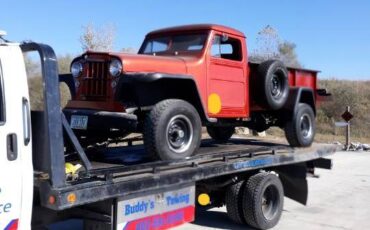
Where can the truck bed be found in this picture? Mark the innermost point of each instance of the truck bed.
(297, 77)
(112, 180)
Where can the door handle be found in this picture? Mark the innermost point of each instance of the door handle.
(26, 121)
(12, 146)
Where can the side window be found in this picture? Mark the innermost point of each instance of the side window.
(2, 98)
(226, 48)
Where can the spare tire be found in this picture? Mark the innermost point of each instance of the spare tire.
(273, 84)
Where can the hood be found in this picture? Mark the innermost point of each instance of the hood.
(150, 63)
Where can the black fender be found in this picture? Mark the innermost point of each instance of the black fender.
(69, 80)
(147, 89)
(299, 95)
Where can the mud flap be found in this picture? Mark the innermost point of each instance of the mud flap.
(293, 178)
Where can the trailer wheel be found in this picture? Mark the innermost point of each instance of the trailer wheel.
(300, 131)
(172, 130)
(263, 200)
(221, 134)
(273, 83)
(233, 200)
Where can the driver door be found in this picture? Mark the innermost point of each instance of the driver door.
(16, 173)
(227, 81)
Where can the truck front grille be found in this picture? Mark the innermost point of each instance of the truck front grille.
(96, 81)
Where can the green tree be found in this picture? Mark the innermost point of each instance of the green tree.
(129, 50)
(64, 63)
(270, 46)
(288, 55)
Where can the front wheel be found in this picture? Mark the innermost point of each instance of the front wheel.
(172, 130)
(300, 131)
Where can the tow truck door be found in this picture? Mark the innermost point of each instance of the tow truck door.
(16, 173)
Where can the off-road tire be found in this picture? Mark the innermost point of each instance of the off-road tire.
(155, 130)
(254, 190)
(233, 200)
(294, 128)
(273, 83)
(220, 134)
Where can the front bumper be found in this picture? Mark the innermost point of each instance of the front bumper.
(104, 121)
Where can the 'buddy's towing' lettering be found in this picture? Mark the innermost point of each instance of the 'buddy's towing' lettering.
(139, 207)
(177, 199)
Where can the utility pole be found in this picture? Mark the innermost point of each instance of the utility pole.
(347, 116)
(348, 130)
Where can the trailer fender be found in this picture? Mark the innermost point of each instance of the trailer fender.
(147, 89)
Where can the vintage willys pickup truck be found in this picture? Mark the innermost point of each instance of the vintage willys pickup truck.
(184, 78)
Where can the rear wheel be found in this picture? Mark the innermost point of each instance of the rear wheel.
(172, 130)
(300, 130)
(221, 134)
(233, 200)
(263, 200)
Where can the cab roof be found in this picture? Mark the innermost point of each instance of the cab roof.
(195, 27)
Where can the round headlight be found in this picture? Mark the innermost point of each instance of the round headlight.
(76, 68)
(115, 67)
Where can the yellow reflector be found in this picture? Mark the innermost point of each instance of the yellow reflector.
(71, 198)
(204, 199)
(214, 103)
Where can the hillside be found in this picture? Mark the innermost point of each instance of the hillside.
(355, 94)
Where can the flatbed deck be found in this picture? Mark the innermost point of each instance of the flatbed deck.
(109, 180)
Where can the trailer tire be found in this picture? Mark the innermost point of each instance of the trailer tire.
(263, 200)
(273, 83)
(233, 200)
(172, 130)
(300, 130)
(220, 134)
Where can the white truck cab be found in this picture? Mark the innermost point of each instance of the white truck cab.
(16, 180)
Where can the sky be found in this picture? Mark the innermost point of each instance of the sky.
(332, 36)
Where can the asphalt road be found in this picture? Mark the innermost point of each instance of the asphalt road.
(339, 199)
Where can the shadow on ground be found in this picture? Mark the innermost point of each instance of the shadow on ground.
(216, 219)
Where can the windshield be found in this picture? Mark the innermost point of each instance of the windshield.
(174, 45)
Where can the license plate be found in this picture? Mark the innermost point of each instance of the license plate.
(79, 122)
(156, 211)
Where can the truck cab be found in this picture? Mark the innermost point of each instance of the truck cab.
(16, 183)
(199, 75)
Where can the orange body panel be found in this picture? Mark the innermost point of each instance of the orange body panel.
(228, 79)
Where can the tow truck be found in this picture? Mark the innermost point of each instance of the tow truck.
(114, 189)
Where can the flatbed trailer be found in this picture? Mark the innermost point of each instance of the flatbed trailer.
(98, 193)
(108, 180)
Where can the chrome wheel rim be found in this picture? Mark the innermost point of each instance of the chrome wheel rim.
(179, 133)
(306, 126)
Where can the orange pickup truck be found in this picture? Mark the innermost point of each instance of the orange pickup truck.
(184, 78)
